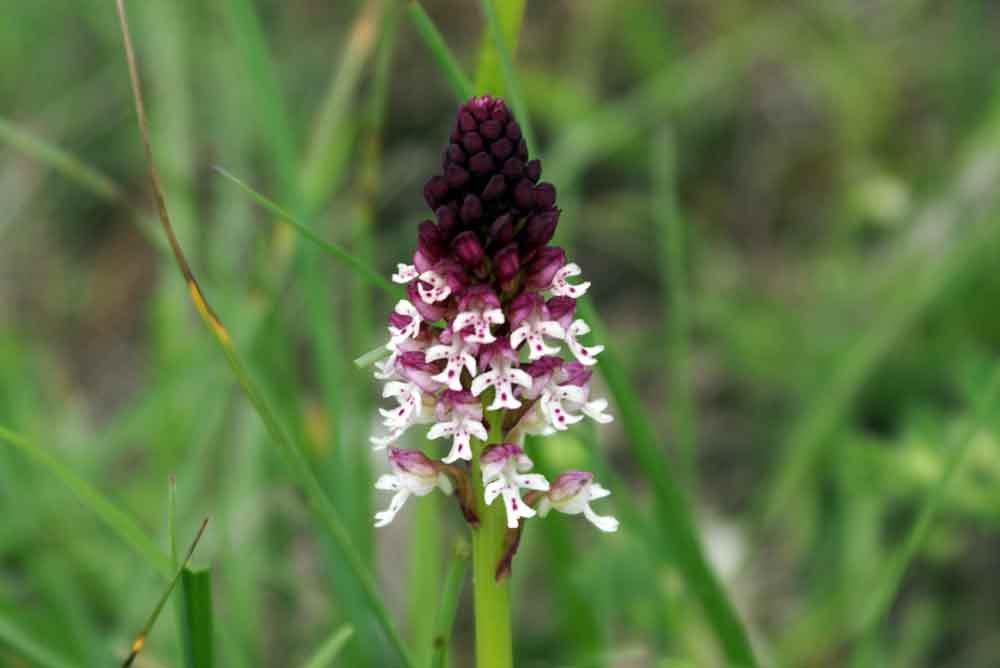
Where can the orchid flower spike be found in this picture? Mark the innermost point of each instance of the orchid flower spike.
(486, 345)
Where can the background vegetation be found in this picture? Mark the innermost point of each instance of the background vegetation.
(790, 215)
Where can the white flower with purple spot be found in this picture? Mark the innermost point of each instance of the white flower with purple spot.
(461, 418)
(586, 355)
(563, 288)
(502, 376)
(459, 355)
(413, 474)
(433, 287)
(404, 273)
(504, 468)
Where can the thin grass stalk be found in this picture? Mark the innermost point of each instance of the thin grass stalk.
(442, 55)
(328, 652)
(318, 500)
(676, 302)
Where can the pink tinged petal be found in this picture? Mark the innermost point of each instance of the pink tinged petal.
(404, 273)
(562, 288)
(411, 329)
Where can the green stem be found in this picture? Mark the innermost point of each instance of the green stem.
(491, 600)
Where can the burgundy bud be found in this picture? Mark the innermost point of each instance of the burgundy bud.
(468, 249)
(490, 129)
(547, 261)
(466, 123)
(501, 231)
(495, 187)
(481, 163)
(513, 168)
(545, 195)
(533, 170)
(473, 143)
(456, 176)
(539, 229)
(576, 374)
(514, 131)
(522, 306)
(455, 153)
(507, 264)
(502, 148)
(435, 190)
(561, 310)
(472, 209)
(524, 195)
(447, 221)
(430, 241)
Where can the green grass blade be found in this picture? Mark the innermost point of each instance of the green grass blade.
(513, 87)
(442, 55)
(196, 628)
(444, 619)
(337, 252)
(120, 523)
(330, 649)
(672, 509)
(303, 475)
(324, 160)
(89, 178)
(140, 639)
(885, 591)
(269, 99)
(22, 643)
(489, 71)
(673, 257)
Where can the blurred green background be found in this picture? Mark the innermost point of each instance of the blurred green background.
(789, 213)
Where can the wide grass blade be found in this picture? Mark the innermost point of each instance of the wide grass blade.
(442, 55)
(196, 618)
(116, 520)
(444, 620)
(22, 643)
(513, 87)
(333, 250)
(892, 573)
(140, 639)
(330, 649)
(318, 500)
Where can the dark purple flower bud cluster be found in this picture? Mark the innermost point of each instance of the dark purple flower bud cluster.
(492, 213)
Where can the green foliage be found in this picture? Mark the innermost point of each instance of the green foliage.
(789, 214)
